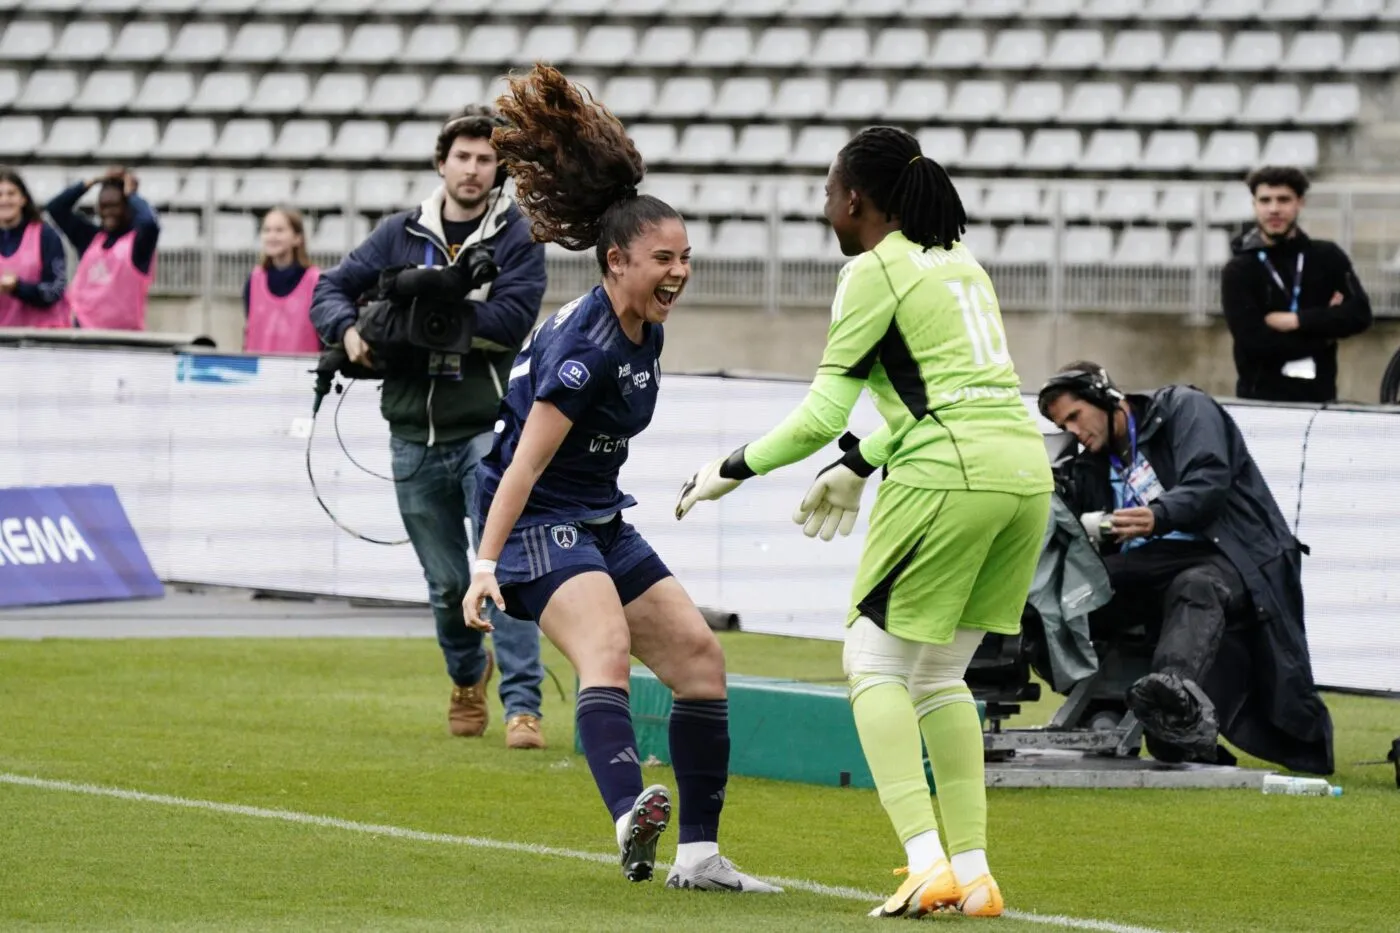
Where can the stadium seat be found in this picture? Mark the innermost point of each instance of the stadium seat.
(103, 90)
(1271, 103)
(1375, 52)
(1111, 151)
(1035, 102)
(280, 92)
(981, 240)
(1331, 104)
(655, 141)
(185, 138)
(380, 190)
(262, 188)
(137, 42)
(373, 44)
(742, 98)
(26, 40)
(1231, 204)
(1232, 11)
(1314, 52)
(629, 96)
(816, 146)
(917, 100)
(676, 190)
(431, 44)
(129, 139)
(740, 239)
(1254, 51)
(413, 141)
(1127, 201)
(1135, 50)
(1052, 150)
(1027, 245)
(663, 46)
(1170, 151)
(198, 42)
(856, 99)
(1075, 50)
(321, 189)
(946, 144)
(1012, 200)
(1053, 9)
(1194, 51)
(1211, 104)
(48, 90)
(490, 45)
(1349, 11)
(704, 144)
(1230, 151)
(1073, 200)
(1153, 102)
(257, 43)
(1173, 10)
(782, 47)
(1179, 203)
(898, 47)
(958, 49)
(729, 194)
(234, 233)
(358, 141)
(607, 46)
(1292, 10)
(1093, 102)
(301, 140)
(222, 92)
(552, 44)
(1291, 148)
(800, 98)
(841, 47)
(337, 92)
(447, 93)
(19, 136)
(164, 92)
(1016, 50)
(199, 187)
(45, 182)
(246, 140)
(977, 101)
(314, 43)
(1087, 246)
(9, 86)
(393, 94)
(994, 149)
(761, 144)
(336, 233)
(71, 137)
(1188, 248)
(1110, 9)
(83, 41)
(802, 239)
(179, 232)
(683, 97)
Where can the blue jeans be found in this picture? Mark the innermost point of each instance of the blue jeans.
(435, 487)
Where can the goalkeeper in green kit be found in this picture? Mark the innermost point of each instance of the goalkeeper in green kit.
(958, 521)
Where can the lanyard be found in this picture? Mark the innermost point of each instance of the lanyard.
(1132, 459)
(428, 255)
(1278, 280)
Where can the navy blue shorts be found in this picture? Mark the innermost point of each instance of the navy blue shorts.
(538, 559)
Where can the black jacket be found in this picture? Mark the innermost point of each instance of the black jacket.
(1262, 679)
(1248, 292)
(441, 410)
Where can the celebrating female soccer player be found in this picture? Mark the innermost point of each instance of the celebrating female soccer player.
(958, 522)
(555, 547)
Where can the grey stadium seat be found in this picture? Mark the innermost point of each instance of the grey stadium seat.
(742, 98)
(1093, 102)
(336, 233)
(431, 44)
(898, 47)
(337, 92)
(1291, 148)
(301, 140)
(198, 42)
(314, 43)
(222, 92)
(1212, 103)
(676, 190)
(782, 47)
(105, 90)
(1375, 52)
(185, 138)
(9, 86)
(1314, 52)
(977, 101)
(130, 139)
(1087, 246)
(947, 145)
(1170, 150)
(490, 45)
(140, 42)
(234, 233)
(704, 144)
(1052, 150)
(916, 100)
(358, 141)
(1194, 50)
(179, 231)
(19, 136)
(1272, 103)
(245, 140)
(1035, 102)
(683, 97)
(629, 96)
(83, 41)
(1111, 151)
(71, 137)
(740, 239)
(1127, 201)
(1135, 50)
(48, 89)
(1027, 245)
(1073, 200)
(728, 194)
(1013, 200)
(262, 188)
(1153, 102)
(1017, 49)
(816, 146)
(322, 188)
(257, 43)
(1143, 246)
(393, 94)
(413, 141)
(447, 93)
(1075, 50)
(958, 49)
(373, 44)
(761, 144)
(1230, 151)
(380, 190)
(607, 46)
(1232, 11)
(842, 47)
(655, 141)
(1254, 51)
(1331, 104)
(981, 241)
(801, 98)
(552, 44)
(994, 149)
(855, 99)
(664, 45)
(26, 40)
(280, 92)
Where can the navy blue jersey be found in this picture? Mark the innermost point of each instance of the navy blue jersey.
(579, 360)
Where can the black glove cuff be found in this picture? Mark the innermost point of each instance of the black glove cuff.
(734, 466)
(852, 460)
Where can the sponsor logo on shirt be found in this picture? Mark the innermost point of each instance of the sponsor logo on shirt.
(573, 374)
(606, 444)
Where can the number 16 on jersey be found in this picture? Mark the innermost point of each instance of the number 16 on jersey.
(983, 323)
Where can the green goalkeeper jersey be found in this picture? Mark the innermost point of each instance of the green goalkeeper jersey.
(923, 329)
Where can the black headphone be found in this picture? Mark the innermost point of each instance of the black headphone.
(1092, 385)
(472, 114)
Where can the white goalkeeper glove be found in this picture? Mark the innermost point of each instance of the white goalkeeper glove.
(832, 503)
(713, 480)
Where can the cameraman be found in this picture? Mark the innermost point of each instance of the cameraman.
(441, 425)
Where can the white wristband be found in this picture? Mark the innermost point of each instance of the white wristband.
(483, 565)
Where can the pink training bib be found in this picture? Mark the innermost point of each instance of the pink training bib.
(108, 292)
(281, 325)
(27, 265)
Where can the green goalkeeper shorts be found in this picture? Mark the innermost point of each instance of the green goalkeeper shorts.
(937, 559)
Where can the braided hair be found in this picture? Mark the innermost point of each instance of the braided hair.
(885, 165)
(576, 170)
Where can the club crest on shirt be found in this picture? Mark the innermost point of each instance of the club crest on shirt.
(566, 536)
(573, 374)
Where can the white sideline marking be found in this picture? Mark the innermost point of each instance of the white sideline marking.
(479, 842)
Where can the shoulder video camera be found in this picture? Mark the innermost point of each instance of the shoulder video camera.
(413, 313)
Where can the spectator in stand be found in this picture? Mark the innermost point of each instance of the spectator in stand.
(118, 261)
(277, 296)
(32, 264)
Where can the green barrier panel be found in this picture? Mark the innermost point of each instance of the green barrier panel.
(785, 730)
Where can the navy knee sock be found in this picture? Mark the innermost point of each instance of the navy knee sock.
(604, 721)
(700, 757)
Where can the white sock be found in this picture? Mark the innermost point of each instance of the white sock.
(923, 851)
(622, 822)
(970, 865)
(690, 854)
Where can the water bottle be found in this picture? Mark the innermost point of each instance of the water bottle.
(1287, 784)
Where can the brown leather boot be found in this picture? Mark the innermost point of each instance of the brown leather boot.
(523, 731)
(467, 714)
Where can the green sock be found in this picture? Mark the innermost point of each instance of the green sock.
(889, 735)
(953, 734)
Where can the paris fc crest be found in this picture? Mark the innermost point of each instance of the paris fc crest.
(566, 536)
